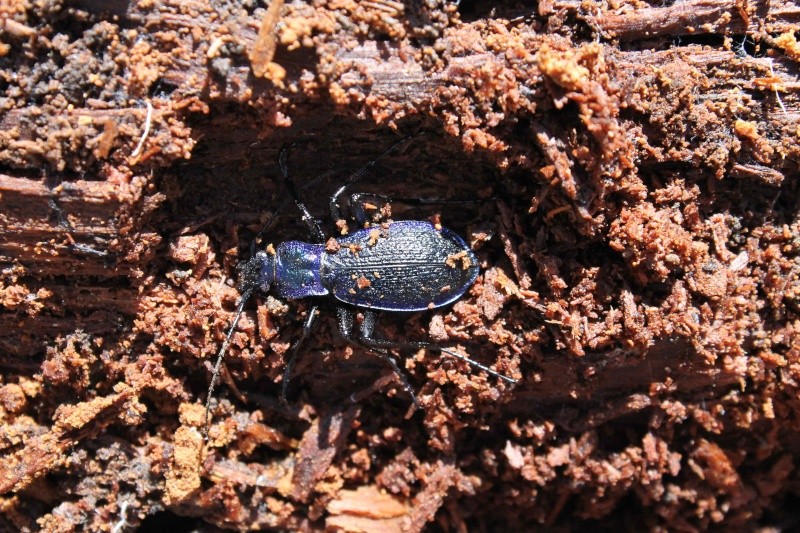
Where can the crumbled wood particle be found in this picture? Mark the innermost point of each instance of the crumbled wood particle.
(263, 50)
(374, 235)
(462, 257)
(789, 44)
(183, 478)
(332, 246)
(436, 220)
(368, 502)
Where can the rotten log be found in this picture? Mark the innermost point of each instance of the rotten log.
(636, 171)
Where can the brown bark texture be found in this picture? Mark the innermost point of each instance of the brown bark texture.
(626, 173)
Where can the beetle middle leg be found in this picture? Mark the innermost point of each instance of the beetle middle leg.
(361, 202)
(346, 318)
(360, 174)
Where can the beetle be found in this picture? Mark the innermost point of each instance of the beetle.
(402, 266)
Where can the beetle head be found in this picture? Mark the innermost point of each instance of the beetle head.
(257, 273)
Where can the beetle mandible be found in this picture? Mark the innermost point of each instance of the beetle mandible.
(402, 266)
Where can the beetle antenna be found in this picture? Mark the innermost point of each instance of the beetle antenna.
(476, 364)
(221, 355)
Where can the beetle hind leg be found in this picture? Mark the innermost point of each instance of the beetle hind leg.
(369, 325)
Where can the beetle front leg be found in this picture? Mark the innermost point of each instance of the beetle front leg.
(287, 373)
(313, 226)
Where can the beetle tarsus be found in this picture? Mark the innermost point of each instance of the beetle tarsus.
(472, 362)
(386, 356)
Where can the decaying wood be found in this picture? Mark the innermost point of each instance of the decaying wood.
(636, 171)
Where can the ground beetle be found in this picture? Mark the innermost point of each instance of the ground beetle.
(400, 266)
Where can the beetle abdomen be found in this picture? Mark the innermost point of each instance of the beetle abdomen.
(402, 266)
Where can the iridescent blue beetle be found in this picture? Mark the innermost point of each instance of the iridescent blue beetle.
(403, 266)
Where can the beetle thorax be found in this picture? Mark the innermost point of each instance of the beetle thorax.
(297, 270)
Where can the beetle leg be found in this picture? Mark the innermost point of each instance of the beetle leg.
(287, 373)
(358, 175)
(466, 359)
(313, 226)
(385, 344)
(357, 205)
(358, 201)
(279, 210)
(367, 329)
(416, 202)
(346, 318)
